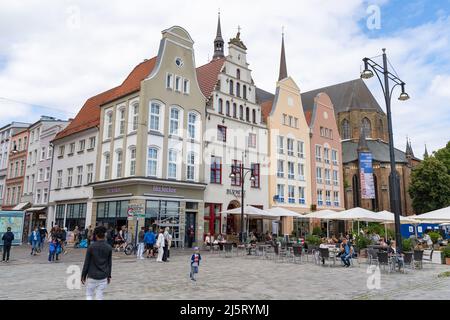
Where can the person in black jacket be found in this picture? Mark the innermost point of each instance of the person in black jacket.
(97, 265)
(7, 238)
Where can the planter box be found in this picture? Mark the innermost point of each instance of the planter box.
(447, 261)
(437, 257)
(363, 253)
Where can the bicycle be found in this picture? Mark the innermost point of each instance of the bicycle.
(130, 249)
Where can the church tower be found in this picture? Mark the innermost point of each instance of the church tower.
(218, 42)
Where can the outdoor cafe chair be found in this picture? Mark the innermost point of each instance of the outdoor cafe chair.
(385, 261)
(324, 254)
(418, 259)
(372, 256)
(311, 250)
(408, 260)
(280, 255)
(298, 253)
(228, 248)
(260, 251)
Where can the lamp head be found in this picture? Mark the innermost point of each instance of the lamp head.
(367, 73)
(232, 175)
(403, 96)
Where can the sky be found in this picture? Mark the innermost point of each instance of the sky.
(56, 54)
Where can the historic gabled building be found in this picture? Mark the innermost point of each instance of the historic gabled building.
(360, 117)
(149, 155)
(6, 132)
(289, 148)
(235, 137)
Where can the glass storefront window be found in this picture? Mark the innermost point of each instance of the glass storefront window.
(112, 213)
(162, 214)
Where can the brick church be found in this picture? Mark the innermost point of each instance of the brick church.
(363, 127)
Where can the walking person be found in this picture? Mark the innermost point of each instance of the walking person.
(8, 238)
(141, 236)
(97, 266)
(195, 263)
(52, 247)
(191, 236)
(166, 244)
(35, 241)
(160, 245)
(149, 240)
(44, 234)
(89, 235)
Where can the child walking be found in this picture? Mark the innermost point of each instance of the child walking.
(195, 263)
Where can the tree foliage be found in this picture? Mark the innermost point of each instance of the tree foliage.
(430, 182)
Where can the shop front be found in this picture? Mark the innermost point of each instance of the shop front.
(165, 204)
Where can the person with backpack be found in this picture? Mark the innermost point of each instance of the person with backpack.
(44, 234)
(8, 238)
(52, 246)
(35, 240)
(149, 240)
(195, 263)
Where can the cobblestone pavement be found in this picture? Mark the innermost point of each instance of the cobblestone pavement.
(32, 277)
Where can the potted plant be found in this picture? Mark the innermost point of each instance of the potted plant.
(446, 254)
(362, 242)
(407, 245)
(434, 237)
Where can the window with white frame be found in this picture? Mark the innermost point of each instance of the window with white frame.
(61, 151)
(192, 125)
(177, 83)
(59, 175)
(50, 152)
(252, 140)
(320, 197)
(291, 194)
(328, 197)
(319, 175)
(300, 149)
(135, 116)
(335, 177)
(301, 171)
(172, 168)
(41, 175)
(121, 121)
(186, 86)
(108, 124)
(69, 177)
(47, 173)
(169, 81)
(90, 173)
(79, 175)
(71, 148)
(174, 121)
(35, 155)
(318, 153)
(280, 144)
(291, 173)
(336, 198)
(280, 193)
(280, 169)
(38, 195)
(107, 165)
(326, 155)
(190, 166)
(301, 195)
(155, 112)
(45, 195)
(290, 146)
(91, 142)
(119, 159)
(327, 176)
(152, 162)
(43, 153)
(132, 161)
(81, 145)
(334, 157)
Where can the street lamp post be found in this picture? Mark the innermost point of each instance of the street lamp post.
(244, 172)
(394, 183)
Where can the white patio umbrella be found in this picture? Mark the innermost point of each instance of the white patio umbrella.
(253, 212)
(282, 212)
(356, 214)
(442, 215)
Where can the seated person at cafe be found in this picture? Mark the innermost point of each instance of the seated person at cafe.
(220, 241)
(324, 245)
(382, 243)
(346, 252)
(393, 252)
(253, 238)
(208, 240)
(268, 236)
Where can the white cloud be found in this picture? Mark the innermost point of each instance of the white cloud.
(59, 53)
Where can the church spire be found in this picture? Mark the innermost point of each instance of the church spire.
(218, 41)
(283, 68)
(409, 150)
(425, 155)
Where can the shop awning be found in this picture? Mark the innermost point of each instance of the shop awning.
(34, 209)
(21, 206)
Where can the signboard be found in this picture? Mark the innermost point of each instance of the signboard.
(164, 189)
(366, 175)
(135, 211)
(13, 219)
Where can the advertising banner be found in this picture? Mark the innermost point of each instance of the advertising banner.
(366, 176)
(13, 219)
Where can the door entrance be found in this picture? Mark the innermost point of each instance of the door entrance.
(191, 230)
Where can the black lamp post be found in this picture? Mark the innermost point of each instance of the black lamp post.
(244, 172)
(394, 183)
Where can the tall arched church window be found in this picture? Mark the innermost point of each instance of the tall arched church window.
(254, 115)
(227, 108)
(345, 129)
(244, 92)
(238, 74)
(367, 127)
(238, 89)
(247, 114)
(231, 87)
(220, 107)
(241, 112)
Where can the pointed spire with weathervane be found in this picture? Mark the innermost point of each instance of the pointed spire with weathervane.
(425, 155)
(283, 67)
(218, 41)
(409, 151)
